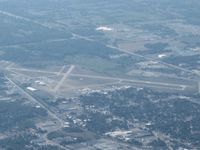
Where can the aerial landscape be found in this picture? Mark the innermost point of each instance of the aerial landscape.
(99, 75)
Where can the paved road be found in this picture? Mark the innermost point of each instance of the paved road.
(155, 60)
(17, 17)
(31, 98)
(110, 46)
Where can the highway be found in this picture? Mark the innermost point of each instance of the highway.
(35, 42)
(89, 39)
(24, 19)
(32, 99)
(152, 59)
